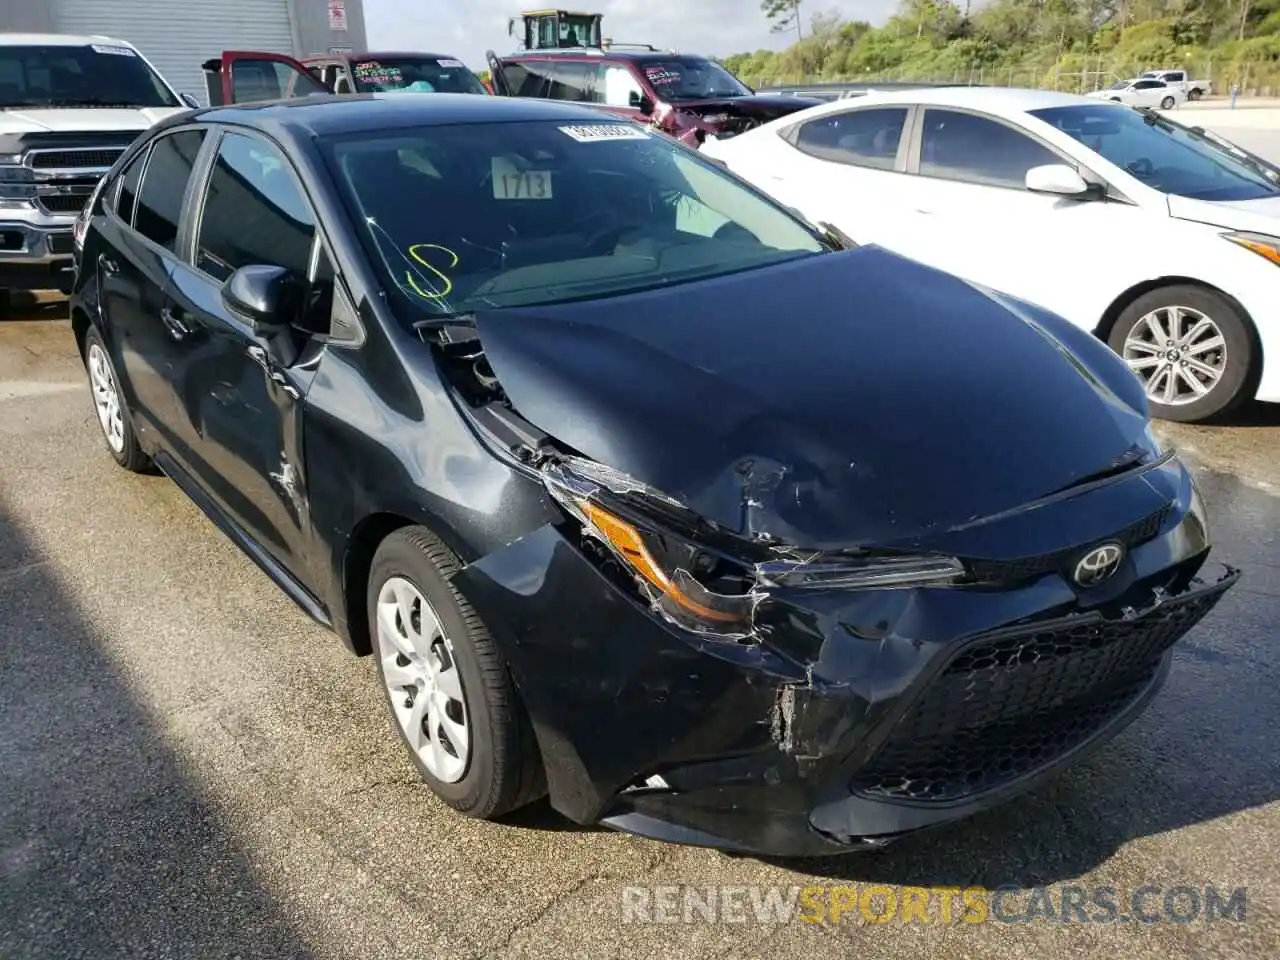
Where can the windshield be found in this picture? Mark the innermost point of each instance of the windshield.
(98, 75)
(1163, 155)
(414, 75)
(691, 78)
(469, 216)
(1119, 85)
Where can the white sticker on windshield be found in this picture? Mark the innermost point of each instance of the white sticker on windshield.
(451, 63)
(605, 131)
(118, 51)
(512, 183)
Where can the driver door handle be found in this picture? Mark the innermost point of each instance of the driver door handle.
(173, 323)
(108, 265)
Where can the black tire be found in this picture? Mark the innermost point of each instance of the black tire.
(1239, 380)
(505, 769)
(1167, 103)
(1194, 94)
(130, 455)
(6, 301)
(1116, 100)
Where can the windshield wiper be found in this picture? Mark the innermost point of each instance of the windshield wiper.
(1239, 154)
(836, 238)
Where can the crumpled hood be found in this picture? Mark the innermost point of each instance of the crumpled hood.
(34, 120)
(836, 400)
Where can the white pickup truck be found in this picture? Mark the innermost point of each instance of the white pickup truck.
(1194, 89)
(69, 106)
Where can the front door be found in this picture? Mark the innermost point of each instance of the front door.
(243, 402)
(973, 216)
(246, 76)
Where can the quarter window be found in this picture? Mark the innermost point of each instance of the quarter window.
(254, 211)
(962, 146)
(864, 138)
(164, 186)
(127, 198)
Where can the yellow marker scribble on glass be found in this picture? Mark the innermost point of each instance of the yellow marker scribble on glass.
(448, 284)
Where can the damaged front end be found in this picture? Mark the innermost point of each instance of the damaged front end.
(725, 686)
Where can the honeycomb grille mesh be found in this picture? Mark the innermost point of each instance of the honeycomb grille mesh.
(1006, 706)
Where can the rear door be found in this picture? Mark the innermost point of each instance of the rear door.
(247, 76)
(845, 168)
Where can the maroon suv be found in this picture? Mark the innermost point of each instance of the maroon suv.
(689, 97)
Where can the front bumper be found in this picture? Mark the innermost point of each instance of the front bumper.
(859, 716)
(36, 256)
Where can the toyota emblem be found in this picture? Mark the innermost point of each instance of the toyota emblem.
(1099, 564)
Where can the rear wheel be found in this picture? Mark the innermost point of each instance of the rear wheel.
(1167, 103)
(1193, 350)
(108, 404)
(1194, 95)
(447, 684)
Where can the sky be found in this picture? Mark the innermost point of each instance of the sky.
(466, 28)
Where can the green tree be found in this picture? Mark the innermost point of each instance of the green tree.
(784, 15)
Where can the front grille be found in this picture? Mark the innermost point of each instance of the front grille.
(63, 204)
(1031, 568)
(74, 159)
(1007, 705)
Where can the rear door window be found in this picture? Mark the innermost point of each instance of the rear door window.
(127, 197)
(164, 186)
(863, 138)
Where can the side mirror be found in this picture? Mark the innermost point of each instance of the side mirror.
(644, 104)
(190, 101)
(270, 298)
(1058, 179)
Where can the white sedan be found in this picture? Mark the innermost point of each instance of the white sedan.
(1143, 92)
(1162, 242)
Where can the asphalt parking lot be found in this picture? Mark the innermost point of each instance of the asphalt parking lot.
(190, 768)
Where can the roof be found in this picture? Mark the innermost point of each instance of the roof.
(597, 53)
(321, 115)
(995, 100)
(57, 40)
(381, 55)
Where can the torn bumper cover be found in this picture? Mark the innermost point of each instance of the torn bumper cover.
(778, 703)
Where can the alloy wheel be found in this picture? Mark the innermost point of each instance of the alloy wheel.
(1179, 354)
(106, 397)
(422, 680)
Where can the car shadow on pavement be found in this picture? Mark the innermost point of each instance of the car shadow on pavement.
(1255, 415)
(107, 848)
(25, 306)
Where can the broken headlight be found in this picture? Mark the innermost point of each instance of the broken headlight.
(706, 590)
(681, 580)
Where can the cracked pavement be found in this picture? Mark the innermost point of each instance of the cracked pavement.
(191, 768)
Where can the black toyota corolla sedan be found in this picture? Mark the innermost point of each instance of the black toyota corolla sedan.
(642, 492)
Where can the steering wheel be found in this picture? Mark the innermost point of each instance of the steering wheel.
(1142, 167)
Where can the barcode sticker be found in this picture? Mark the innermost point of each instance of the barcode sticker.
(605, 131)
(453, 64)
(117, 51)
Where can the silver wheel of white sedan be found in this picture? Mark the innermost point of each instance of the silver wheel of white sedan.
(1178, 352)
(422, 680)
(106, 398)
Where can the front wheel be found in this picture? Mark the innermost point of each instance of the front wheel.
(1167, 103)
(1193, 350)
(447, 684)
